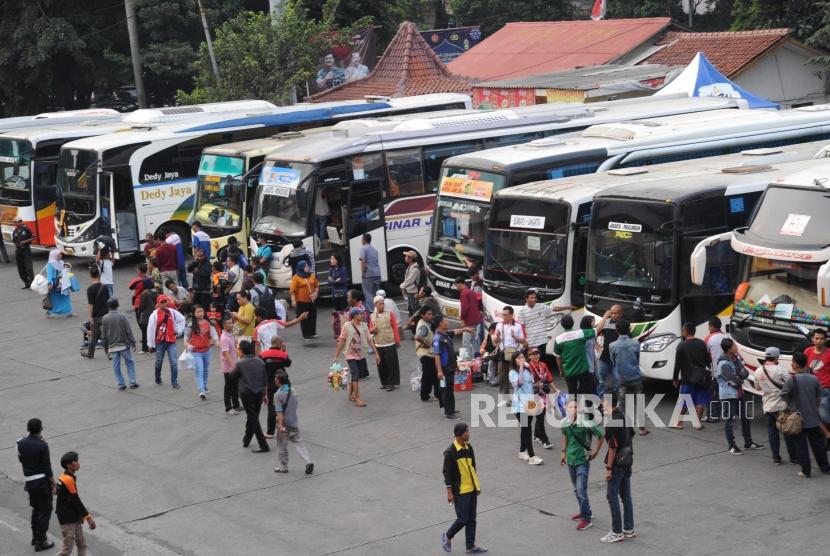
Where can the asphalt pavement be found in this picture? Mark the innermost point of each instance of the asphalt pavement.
(164, 472)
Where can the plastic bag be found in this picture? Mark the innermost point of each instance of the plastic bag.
(74, 285)
(40, 285)
(187, 362)
(415, 377)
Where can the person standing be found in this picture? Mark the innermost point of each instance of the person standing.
(534, 316)
(163, 327)
(571, 355)
(522, 381)
(199, 336)
(470, 314)
(288, 424)
(70, 510)
(463, 488)
(424, 337)
(266, 329)
(201, 240)
(803, 392)
(22, 238)
(33, 454)
(244, 318)
(587, 321)
(146, 305)
(369, 267)
(59, 290)
(509, 338)
(730, 374)
(818, 362)
(103, 258)
(355, 340)
(338, 282)
(202, 274)
(411, 281)
(250, 372)
(168, 261)
(119, 343)
(174, 240)
(605, 368)
(618, 477)
(299, 253)
(692, 372)
(391, 305)
(625, 357)
(96, 297)
(542, 381)
(151, 245)
(713, 343)
(275, 359)
(304, 292)
(446, 363)
(234, 279)
(228, 356)
(770, 379)
(577, 454)
(386, 336)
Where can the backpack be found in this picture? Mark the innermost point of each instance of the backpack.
(265, 302)
(422, 277)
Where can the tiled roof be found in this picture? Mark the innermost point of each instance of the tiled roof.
(729, 51)
(532, 48)
(408, 67)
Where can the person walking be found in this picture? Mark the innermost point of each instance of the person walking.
(103, 258)
(369, 268)
(163, 327)
(176, 241)
(713, 343)
(288, 424)
(470, 315)
(146, 305)
(304, 292)
(22, 237)
(57, 275)
(534, 316)
(119, 343)
(446, 363)
(463, 488)
(202, 273)
(605, 367)
(424, 336)
(70, 510)
(510, 337)
(275, 359)
(411, 281)
(577, 454)
(693, 373)
(625, 357)
(250, 372)
(803, 392)
(299, 253)
(542, 382)
(730, 374)
(228, 356)
(168, 262)
(386, 335)
(33, 454)
(770, 379)
(571, 355)
(522, 381)
(338, 282)
(96, 297)
(818, 362)
(355, 340)
(199, 336)
(618, 462)
(268, 328)
(201, 240)
(586, 322)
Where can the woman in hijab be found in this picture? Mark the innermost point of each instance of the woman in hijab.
(304, 291)
(57, 273)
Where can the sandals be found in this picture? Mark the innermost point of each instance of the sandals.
(359, 403)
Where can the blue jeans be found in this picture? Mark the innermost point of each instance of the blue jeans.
(202, 360)
(116, 366)
(170, 349)
(604, 370)
(824, 407)
(731, 409)
(579, 479)
(619, 488)
(465, 518)
(182, 272)
(370, 286)
(110, 289)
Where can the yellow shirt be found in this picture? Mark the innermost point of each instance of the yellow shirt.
(469, 479)
(246, 312)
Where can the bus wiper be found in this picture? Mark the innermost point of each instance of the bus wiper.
(509, 274)
(606, 285)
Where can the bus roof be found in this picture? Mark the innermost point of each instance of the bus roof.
(53, 118)
(475, 125)
(611, 139)
(57, 129)
(675, 181)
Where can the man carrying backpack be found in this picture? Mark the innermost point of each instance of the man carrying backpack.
(263, 298)
(618, 462)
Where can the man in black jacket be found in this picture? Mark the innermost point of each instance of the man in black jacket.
(250, 372)
(692, 373)
(202, 274)
(70, 510)
(33, 453)
(463, 489)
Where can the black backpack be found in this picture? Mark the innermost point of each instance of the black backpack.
(265, 303)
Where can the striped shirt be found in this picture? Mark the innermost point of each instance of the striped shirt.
(535, 319)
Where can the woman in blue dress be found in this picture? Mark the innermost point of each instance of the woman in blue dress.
(61, 305)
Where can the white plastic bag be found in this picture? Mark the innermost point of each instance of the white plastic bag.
(40, 285)
(187, 362)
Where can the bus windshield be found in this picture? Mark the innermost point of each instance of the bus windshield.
(15, 179)
(528, 243)
(631, 250)
(76, 184)
(784, 290)
(219, 191)
(283, 198)
(463, 208)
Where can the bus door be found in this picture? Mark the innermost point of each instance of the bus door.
(364, 215)
(109, 223)
(250, 181)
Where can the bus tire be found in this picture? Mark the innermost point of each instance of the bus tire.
(397, 267)
(180, 228)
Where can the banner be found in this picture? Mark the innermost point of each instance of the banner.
(503, 98)
(465, 188)
(344, 63)
(449, 44)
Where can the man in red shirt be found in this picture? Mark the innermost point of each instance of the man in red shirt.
(470, 315)
(168, 260)
(818, 361)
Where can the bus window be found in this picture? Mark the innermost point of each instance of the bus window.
(704, 214)
(580, 258)
(406, 177)
(365, 205)
(44, 184)
(504, 140)
(366, 166)
(436, 154)
(160, 166)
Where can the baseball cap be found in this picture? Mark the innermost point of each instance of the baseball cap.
(772, 352)
(411, 254)
(17, 219)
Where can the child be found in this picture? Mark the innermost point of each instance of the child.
(276, 359)
(70, 510)
(228, 356)
(219, 283)
(577, 453)
(153, 271)
(214, 316)
(288, 426)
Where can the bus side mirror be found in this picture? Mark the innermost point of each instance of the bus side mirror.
(823, 285)
(697, 263)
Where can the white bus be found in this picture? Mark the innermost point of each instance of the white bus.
(128, 184)
(339, 185)
(782, 287)
(460, 226)
(62, 117)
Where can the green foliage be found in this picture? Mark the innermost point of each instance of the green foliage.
(491, 15)
(619, 9)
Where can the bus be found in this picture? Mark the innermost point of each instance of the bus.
(782, 287)
(329, 189)
(125, 185)
(229, 174)
(62, 117)
(459, 230)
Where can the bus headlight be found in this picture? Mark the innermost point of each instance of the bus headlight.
(658, 343)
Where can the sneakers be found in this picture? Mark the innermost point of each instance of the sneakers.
(547, 445)
(612, 537)
(231, 412)
(134, 385)
(523, 456)
(202, 395)
(777, 461)
(576, 517)
(537, 440)
(446, 542)
(584, 524)
(309, 468)
(158, 381)
(629, 533)
(753, 446)
(121, 387)
(476, 550)
(535, 460)
(735, 451)
(280, 469)
(177, 387)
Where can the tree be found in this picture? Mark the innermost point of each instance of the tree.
(619, 9)
(491, 15)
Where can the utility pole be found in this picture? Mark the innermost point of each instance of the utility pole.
(208, 39)
(132, 30)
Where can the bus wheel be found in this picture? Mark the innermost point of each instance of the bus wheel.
(397, 267)
(180, 228)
